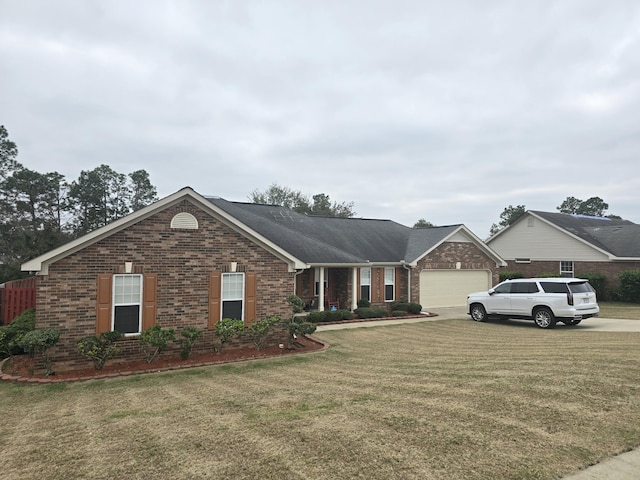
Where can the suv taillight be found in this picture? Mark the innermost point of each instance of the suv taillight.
(570, 298)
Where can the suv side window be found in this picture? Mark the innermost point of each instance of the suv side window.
(503, 288)
(524, 287)
(554, 287)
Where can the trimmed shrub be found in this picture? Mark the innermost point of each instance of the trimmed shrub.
(11, 334)
(398, 313)
(412, 308)
(224, 330)
(259, 331)
(189, 336)
(364, 303)
(99, 348)
(371, 312)
(329, 316)
(549, 275)
(510, 275)
(630, 286)
(154, 340)
(37, 342)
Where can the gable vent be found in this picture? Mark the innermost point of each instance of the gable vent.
(184, 220)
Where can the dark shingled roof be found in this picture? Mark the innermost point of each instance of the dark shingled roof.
(318, 239)
(620, 238)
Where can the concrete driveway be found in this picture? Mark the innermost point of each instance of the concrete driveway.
(595, 324)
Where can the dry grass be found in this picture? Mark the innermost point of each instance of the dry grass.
(436, 400)
(629, 311)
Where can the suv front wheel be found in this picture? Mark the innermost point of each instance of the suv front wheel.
(478, 313)
(544, 318)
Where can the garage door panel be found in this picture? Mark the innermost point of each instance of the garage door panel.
(449, 288)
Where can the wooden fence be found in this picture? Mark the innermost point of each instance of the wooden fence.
(16, 297)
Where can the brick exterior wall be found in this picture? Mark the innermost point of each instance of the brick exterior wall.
(446, 257)
(182, 259)
(610, 270)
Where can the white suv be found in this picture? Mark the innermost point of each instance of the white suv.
(543, 300)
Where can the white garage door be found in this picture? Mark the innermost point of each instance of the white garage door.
(449, 288)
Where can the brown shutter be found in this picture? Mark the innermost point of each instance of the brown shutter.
(357, 287)
(215, 292)
(396, 284)
(250, 293)
(377, 286)
(103, 304)
(149, 299)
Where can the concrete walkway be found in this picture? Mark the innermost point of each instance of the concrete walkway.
(621, 467)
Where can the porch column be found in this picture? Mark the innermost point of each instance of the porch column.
(354, 288)
(320, 289)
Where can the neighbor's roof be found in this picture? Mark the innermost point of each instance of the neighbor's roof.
(620, 238)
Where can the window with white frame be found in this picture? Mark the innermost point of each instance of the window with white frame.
(566, 269)
(365, 284)
(389, 283)
(127, 304)
(317, 281)
(233, 295)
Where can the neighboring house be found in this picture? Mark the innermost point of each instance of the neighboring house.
(192, 260)
(569, 245)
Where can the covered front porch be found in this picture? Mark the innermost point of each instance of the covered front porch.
(339, 287)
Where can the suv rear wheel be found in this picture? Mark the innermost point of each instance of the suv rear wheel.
(478, 313)
(544, 318)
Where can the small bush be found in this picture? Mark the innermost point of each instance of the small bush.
(260, 330)
(549, 275)
(329, 316)
(99, 348)
(630, 286)
(510, 275)
(154, 340)
(11, 334)
(371, 312)
(398, 313)
(364, 303)
(415, 308)
(224, 330)
(37, 342)
(189, 336)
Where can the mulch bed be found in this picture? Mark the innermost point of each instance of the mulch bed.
(21, 367)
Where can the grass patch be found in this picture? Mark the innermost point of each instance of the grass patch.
(435, 400)
(629, 311)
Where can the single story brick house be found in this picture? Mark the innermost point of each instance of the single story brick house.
(569, 245)
(192, 260)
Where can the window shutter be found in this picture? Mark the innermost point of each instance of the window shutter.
(377, 285)
(215, 292)
(103, 304)
(396, 284)
(149, 300)
(250, 293)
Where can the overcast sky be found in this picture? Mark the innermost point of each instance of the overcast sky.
(443, 110)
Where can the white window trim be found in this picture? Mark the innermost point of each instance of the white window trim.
(362, 284)
(232, 299)
(571, 273)
(387, 283)
(125, 304)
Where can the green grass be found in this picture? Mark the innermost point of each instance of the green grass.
(435, 400)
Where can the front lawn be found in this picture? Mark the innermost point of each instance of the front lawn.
(629, 311)
(445, 399)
